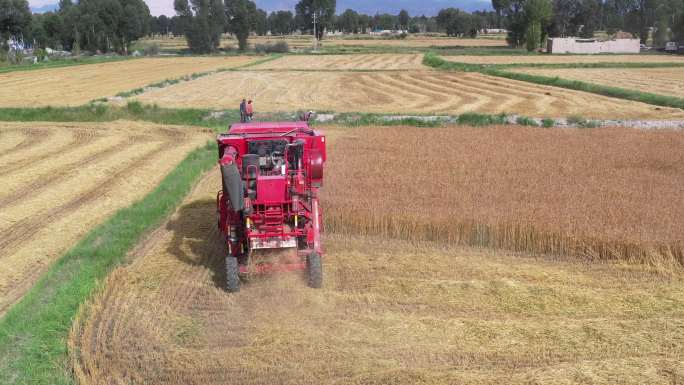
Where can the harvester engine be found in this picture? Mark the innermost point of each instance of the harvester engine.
(269, 209)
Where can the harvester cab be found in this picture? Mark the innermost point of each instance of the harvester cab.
(268, 209)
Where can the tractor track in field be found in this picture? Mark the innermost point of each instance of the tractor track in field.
(20, 231)
(54, 191)
(75, 145)
(45, 181)
(32, 138)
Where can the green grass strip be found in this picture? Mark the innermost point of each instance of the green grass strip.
(592, 65)
(132, 111)
(432, 60)
(614, 92)
(33, 334)
(63, 63)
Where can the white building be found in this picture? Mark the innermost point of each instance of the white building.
(591, 46)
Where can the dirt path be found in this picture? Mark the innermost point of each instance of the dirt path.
(390, 312)
(53, 194)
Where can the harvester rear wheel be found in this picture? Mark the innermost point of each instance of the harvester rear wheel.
(232, 274)
(315, 269)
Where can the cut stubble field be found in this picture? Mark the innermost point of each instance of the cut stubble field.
(404, 311)
(60, 179)
(346, 62)
(564, 59)
(77, 85)
(396, 92)
(663, 81)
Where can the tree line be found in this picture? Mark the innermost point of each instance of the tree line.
(93, 25)
(112, 25)
(530, 22)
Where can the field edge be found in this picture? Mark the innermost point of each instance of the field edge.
(34, 332)
(435, 61)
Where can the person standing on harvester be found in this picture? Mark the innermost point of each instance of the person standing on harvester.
(250, 111)
(243, 111)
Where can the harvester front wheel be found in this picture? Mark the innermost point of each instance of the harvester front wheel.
(315, 269)
(232, 274)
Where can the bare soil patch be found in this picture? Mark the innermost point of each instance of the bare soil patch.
(55, 190)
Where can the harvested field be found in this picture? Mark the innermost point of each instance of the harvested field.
(566, 59)
(390, 312)
(73, 86)
(346, 62)
(396, 92)
(576, 193)
(61, 179)
(664, 81)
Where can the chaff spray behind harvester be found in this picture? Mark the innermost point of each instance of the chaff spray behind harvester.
(269, 209)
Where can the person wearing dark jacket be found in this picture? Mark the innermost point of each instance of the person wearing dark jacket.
(243, 111)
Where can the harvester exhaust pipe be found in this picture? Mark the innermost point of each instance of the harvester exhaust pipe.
(232, 185)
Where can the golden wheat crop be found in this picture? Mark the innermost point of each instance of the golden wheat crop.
(665, 81)
(391, 311)
(395, 92)
(61, 179)
(77, 85)
(601, 194)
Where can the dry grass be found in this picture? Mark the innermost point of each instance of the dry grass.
(390, 312)
(59, 180)
(664, 81)
(396, 92)
(591, 194)
(565, 59)
(73, 86)
(346, 62)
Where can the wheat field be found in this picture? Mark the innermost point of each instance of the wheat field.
(390, 312)
(597, 194)
(565, 59)
(61, 179)
(664, 81)
(77, 85)
(345, 62)
(395, 92)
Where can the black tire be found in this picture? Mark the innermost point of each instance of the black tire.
(232, 275)
(314, 267)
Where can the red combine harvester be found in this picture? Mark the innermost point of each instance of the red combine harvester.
(268, 209)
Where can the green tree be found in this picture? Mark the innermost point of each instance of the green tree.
(457, 22)
(15, 20)
(348, 21)
(538, 14)
(404, 19)
(202, 22)
(241, 17)
(281, 22)
(324, 11)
